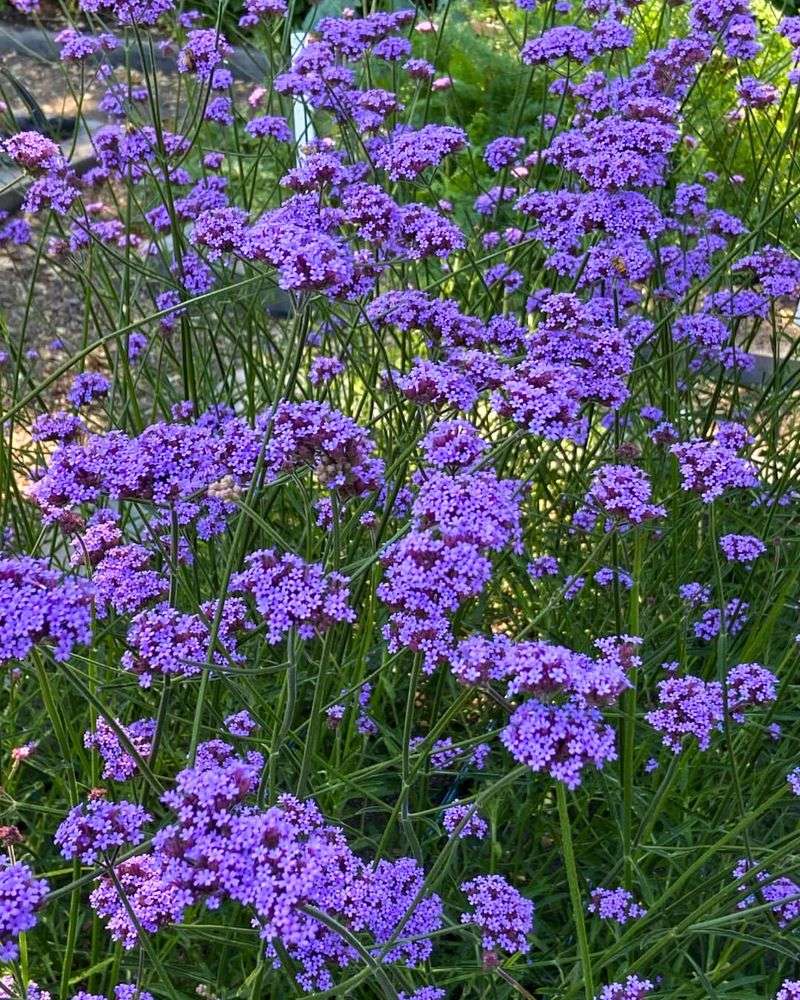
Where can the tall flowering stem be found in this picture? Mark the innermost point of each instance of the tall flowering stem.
(628, 705)
(576, 898)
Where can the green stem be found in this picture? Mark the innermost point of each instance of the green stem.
(629, 723)
(574, 889)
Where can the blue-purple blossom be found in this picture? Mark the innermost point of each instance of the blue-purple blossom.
(119, 763)
(617, 904)
(38, 607)
(742, 548)
(687, 706)
(292, 594)
(559, 739)
(633, 988)
(97, 827)
(475, 825)
(88, 387)
(21, 895)
(241, 724)
(502, 915)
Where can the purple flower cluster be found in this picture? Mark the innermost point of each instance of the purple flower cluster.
(124, 991)
(633, 988)
(742, 548)
(204, 51)
(425, 580)
(99, 827)
(324, 370)
(123, 579)
(88, 387)
(780, 892)
(501, 913)
(544, 670)
(688, 706)
(620, 493)
(476, 508)
(453, 444)
(278, 862)
(38, 607)
(443, 562)
(559, 739)
(407, 153)
(292, 594)
(749, 685)
(241, 724)
(734, 617)
(118, 763)
(143, 12)
(731, 22)
(575, 44)
(177, 464)
(32, 151)
(475, 825)
(333, 445)
(712, 467)
(21, 895)
(149, 894)
(58, 426)
(163, 640)
(615, 904)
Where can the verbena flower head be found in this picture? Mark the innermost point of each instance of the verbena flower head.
(118, 763)
(688, 706)
(58, 426)
(21, 895)
(633, 988)
(407, 153)
(292, 594)
(712, 467)
(621, 493)
(144, 12)
(475, 825)
(749, 685)
(502, 915)
(163, 640)
(617, 904)
(453, 444)
(38, 607)
(9, 989)
(779, 892)
(154, 898)
(425, 581)
(543, 566)
(97, 827)
(32, 151)
(125, 991)
(478, 659)
(324, 370)
(734, 616)
(333, 445)
(204, 51)
(473, 507)
(241, 724)
(559, 739)
(88, 387)
(742, 548)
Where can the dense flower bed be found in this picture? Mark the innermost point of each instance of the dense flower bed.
(439, 639)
